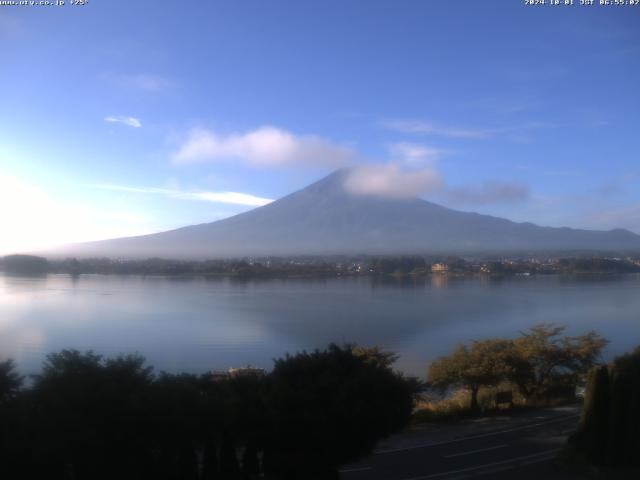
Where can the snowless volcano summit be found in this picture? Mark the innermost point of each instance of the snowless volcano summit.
(325, 218)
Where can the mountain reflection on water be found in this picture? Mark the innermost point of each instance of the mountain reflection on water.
(199, 324)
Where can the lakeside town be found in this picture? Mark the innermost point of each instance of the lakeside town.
(327, 266)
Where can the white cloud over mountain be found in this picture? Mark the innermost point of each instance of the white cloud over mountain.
(235, 198)
(265, 146)
(415, 153)
(391, 181)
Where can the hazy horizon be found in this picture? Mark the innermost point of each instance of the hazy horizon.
(355, 211)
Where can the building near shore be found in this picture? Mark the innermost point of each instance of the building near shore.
(248, 371)
(439, 268)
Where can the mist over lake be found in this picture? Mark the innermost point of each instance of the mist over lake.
(198, 324)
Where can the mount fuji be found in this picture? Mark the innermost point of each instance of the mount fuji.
(325, 218)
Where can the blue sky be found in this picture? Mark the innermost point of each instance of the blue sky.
(121, 118)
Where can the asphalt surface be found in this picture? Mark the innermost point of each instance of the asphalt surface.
(528, 446)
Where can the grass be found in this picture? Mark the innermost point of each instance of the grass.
(456, 405)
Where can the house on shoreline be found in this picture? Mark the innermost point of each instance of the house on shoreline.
(240, 372)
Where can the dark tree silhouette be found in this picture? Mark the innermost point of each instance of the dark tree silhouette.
(86, 417)
(330, 407)
(11, 434)
(90, 416)
(10, 380)
(25, 265)
(609, 430)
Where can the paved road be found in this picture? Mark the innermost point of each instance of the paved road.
(526, 446)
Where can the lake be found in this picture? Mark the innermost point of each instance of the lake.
(198, 324)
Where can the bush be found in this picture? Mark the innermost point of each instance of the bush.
(89, 417)
(331, 407)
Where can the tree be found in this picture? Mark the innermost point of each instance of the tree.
(375, 355)
(25, 264)
(91, 417)
(609, 429)
(86, 416)
(176, 406)
(10, 380)
(542, 357)
(330, 407)
(12, 435)
(485, 363)
(594, 421)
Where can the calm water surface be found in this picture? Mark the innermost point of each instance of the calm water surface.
(201, 324)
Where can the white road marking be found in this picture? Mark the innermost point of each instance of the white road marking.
(470, 452)
(524, 460)
(355, 469)
(473, 437)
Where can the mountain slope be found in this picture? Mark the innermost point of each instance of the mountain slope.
(325, 219)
